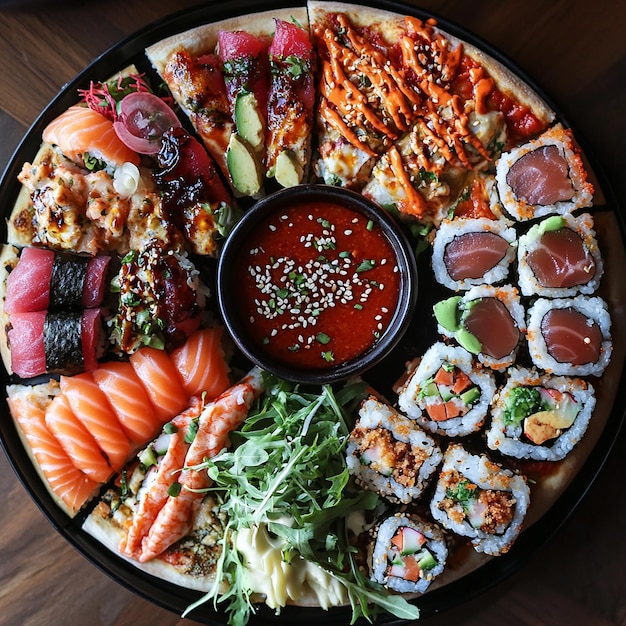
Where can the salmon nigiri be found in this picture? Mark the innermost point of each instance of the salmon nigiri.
(66, 482)
(80, 131)
(91, 407)
(163, 384)
(76, 440)
(201, 363)
(128, 398)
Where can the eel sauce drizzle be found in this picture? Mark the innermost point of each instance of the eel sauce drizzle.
(318, 284)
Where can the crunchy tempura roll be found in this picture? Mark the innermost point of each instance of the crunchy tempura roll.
(481, 500)
(387, 453)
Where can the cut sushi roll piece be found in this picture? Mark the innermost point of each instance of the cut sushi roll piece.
(544, 176)
(448, 393)
(481, 500)
(560, 257)
(468, 252)
(408, 553)
(389, 454)
(570, 336)
(540, 417)
(487, 321)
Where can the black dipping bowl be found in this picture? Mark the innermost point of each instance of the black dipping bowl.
(236, 320)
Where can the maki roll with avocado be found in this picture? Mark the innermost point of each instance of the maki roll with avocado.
(487, 321)
(387, 453)
(540, 417)
(407, 553)
(544, 176)
(560, 257)
(468, 252)
(448, 393)
(570, 336)
(481, 500)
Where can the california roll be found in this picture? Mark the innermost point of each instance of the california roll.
(448, 393)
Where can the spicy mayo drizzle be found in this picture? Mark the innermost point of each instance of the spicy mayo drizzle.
(319, 284)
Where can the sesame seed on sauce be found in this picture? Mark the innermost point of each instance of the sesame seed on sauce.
(317, 284)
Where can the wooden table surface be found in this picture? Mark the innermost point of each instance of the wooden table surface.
(575, 49)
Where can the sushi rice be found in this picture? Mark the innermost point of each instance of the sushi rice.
(413, 397)
(481, 500)
(377, 458)
(506, 435)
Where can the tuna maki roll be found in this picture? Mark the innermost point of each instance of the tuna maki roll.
(570, 336)
(448, 393)
(540, 417)
(481, 500)
(468, 252)
(407, 553)
(544, 176)
(487, 321)
(560, 257)
(388, 454)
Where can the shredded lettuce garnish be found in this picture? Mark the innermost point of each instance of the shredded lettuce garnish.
(286, 470)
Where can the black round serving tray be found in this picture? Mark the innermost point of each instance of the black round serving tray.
(421, 334)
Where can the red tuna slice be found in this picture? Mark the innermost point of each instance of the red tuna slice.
(491, 323)
(471, 255)
(28, 356)
(28, 285)
(95, 282)
(561, 260)
(30, 332)
(289, 42)
(541, 177)
(246, 65)
(571, 337)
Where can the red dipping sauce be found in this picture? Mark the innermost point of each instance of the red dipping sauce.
(317, 284)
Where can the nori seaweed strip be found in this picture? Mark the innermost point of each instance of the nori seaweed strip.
(67, 282)
(62, 340)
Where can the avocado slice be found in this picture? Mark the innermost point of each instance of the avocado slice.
(249, 121)
(470, 396)
(447, 313)
(288, 172)
(244, 166)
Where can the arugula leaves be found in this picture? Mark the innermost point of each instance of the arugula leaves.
(286, 471)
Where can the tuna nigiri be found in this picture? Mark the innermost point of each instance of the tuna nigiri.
(76, 440)
(163, 384)
(43, 342)
(201, 363)
(129, 400)
(68, 484)
(43, 279)
(81, 133)
(91, 407)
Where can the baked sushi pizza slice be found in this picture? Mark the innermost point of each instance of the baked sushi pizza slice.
(246, 85)
(407, 112)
